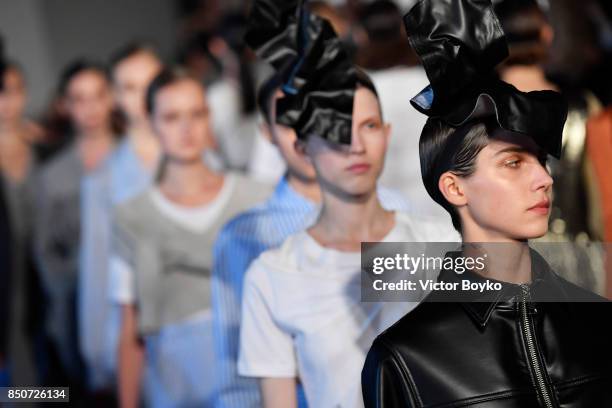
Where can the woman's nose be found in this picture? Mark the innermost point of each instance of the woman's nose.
(541, 178)
(357, 145)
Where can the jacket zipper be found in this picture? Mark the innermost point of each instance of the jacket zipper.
(531, 349)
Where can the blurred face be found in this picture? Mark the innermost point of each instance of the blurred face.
(285, 140)
(181, 119)
(13, 97)
(354, 169)
(131, 78)
(88, 101)
(509, 194)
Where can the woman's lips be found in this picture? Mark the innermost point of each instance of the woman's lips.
(543, 207)
(359, 168)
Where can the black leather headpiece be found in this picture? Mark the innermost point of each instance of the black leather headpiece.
(319, 79)
(460, 42)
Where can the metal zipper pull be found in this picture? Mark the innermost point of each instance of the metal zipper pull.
(538, 377)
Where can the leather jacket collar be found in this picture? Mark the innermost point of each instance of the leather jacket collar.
(544, 287)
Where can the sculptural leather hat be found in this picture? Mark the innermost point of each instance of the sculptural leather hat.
(319, 78)
(460, 42)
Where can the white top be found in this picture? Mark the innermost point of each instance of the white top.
(195, 219)
(266, 163)
(234, 132)
(302, 315)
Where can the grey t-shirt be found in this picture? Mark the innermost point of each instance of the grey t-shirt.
(171, 263)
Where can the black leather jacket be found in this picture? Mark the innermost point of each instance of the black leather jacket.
(506, 351)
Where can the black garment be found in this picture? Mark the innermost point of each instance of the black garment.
(319, 78)
(505, 351)
(460, 42)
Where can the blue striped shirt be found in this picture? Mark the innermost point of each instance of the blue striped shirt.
(240, 242)
(122, 177)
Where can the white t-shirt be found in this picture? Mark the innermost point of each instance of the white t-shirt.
(302, 315)
(266, 163)
(195, 219)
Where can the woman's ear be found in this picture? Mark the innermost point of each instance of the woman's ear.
(451, 187)
(547, 35)
(62, 106)
(301, 150)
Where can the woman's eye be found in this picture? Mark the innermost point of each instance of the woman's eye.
(200, 114)
(514, 163)
(170, 118)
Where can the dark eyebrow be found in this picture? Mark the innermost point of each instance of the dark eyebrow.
(518, 149)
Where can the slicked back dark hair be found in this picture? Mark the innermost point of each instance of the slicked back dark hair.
(128, 51)
(166, 77)
(265, 94)
(445, 148)
(381, 20)
(365, 81)
(522, 22)
(77, 67)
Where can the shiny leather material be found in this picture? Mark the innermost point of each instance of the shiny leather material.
(319, 78)
(460, 42)
(476, 354)
(272, 32)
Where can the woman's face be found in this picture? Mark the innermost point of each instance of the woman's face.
(131, 77)
(88, 101)
(353, 170)
(181, 119)
(509, 194)
(13, 96)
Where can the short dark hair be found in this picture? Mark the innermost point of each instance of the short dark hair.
(522, 22)
(166, 77)
(77, 67)
(365, 81)
(129, 50)
(9, 65)
(387, 44)
(381, 20)
(443, 148)
(265, 94)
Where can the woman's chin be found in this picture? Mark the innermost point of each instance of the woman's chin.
(534, 232)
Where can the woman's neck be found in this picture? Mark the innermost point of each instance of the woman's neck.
(507, 259)
(11, 128)
(15, 152)
(306, 188)
(94, 146)
(145, 143)
(504, 261)
(98, 133)
(527, 78)
(190, 184)
(346, 222)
